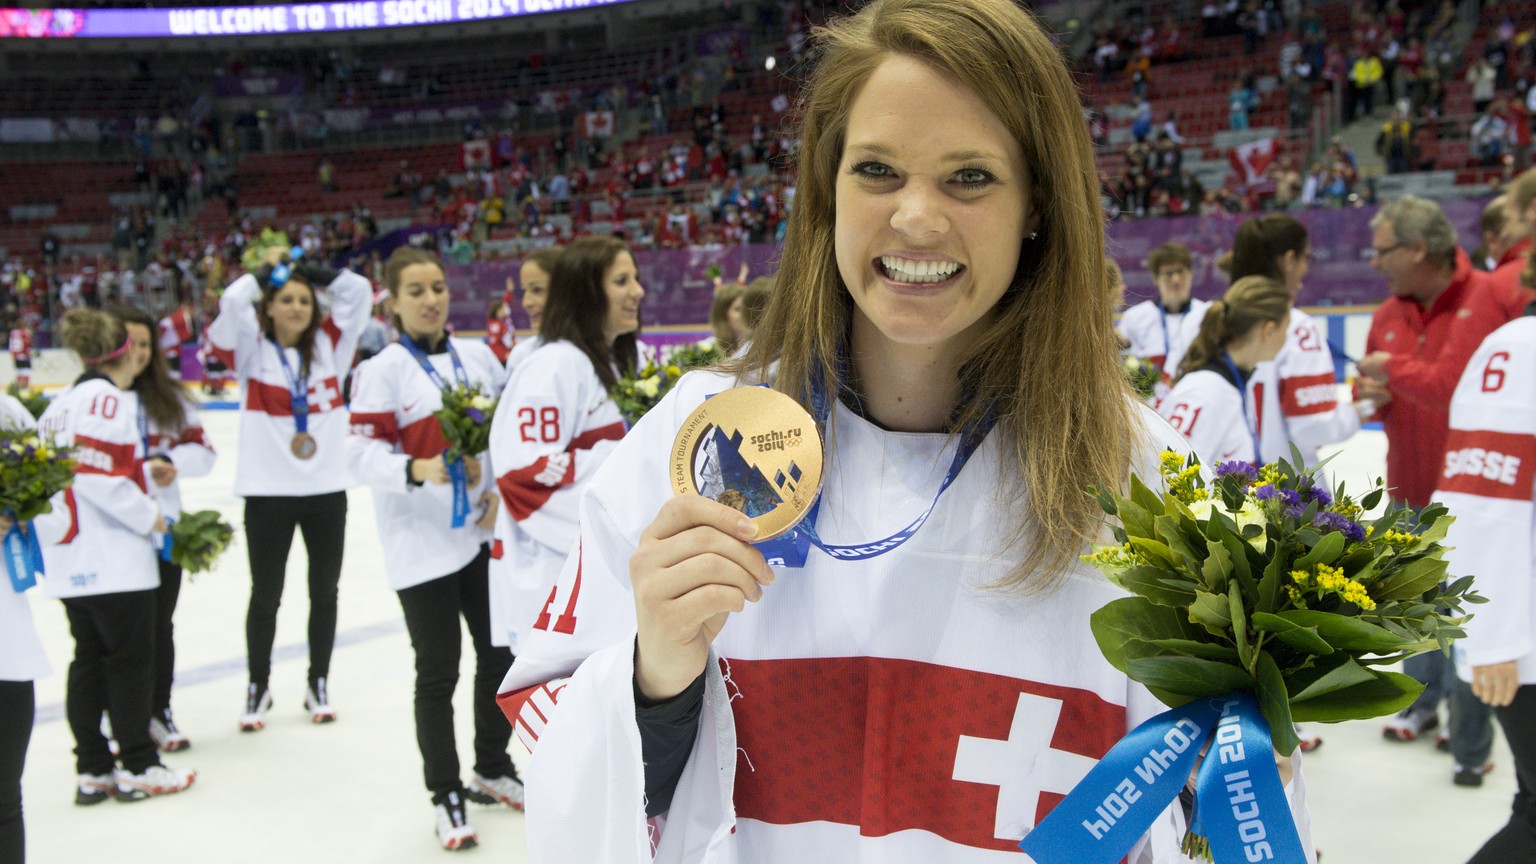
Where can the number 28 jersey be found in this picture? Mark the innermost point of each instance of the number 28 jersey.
(554, 425)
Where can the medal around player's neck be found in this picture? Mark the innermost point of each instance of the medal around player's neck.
(755, 450)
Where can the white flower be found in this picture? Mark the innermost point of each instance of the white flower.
(481, 403)
(1205, 508)
(1251, 514)
(648, 386)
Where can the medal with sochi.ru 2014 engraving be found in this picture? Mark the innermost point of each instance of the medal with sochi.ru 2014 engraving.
(753, 449)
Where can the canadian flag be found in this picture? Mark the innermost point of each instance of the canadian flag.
(477, 154)
(597, 124)
(1251, 160)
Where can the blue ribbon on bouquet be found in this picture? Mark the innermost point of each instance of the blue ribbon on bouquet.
(23, 556)
(167, 542)
(460, 477)
(1240, 804)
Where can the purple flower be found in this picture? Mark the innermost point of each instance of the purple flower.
(1320, 495)
(1241, 470)
(475, 415)
(1267, 492)
(1335, 522)
(1291, 497)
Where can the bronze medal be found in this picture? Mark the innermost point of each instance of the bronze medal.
(755, 450)
(303, 446)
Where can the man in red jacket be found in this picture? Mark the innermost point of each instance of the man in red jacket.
(1519, 226)
(1420, 340)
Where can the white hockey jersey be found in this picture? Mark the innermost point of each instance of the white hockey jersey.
(1208, 410)
(21, 653)
(266, 464)
(1489, 483)
(97, 538)
(1298, 396)
(1162, 337)
(393, 422)
(521, 350)
(554, 426)
(893, 709)
(189, 451)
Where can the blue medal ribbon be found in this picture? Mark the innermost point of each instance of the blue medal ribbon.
(298, 392)
(23, 556)
(457, 473)
(167, 541)
(793, 547)
(1240, 804)
(1242, 392)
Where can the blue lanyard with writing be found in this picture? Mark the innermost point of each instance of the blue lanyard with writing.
(165, 538)
(298, 392)
(1162, 318)
(457, 473)
(426, 364)
(791, 549)
(1242, 392)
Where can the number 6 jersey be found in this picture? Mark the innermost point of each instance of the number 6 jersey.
(553, 427)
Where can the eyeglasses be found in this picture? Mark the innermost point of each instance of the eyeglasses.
(1377, 253)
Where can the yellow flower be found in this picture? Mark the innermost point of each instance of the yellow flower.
(1269, 474)
(1170, 462)
(648, 386)
(674, 371)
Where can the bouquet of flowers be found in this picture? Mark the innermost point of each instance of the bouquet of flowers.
(466, 420)
(32, 471)
(198, 539)
(638, 393)
(1262, 584)
(33, 399)
(1142, 374)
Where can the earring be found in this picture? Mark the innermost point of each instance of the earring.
(1034, 234)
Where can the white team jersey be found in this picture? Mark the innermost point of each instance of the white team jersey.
(190, 452)
(1160, 337)
(97, 538)
(21, 653)
(393, 422)
(1489, 483)
(554, 426)
(1298, 396)
(521, 350)
(893, 709)
(267, 465)
(1208, 410)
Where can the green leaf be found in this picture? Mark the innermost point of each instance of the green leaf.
(1387, 693)
(1412, 580)
(1344, 633)
(1433, 533)
(1239, 625)
(1189, 676)
(1218, 566)
(1269, 585)
(1119, 621)
(1327, 551)
(1172, 532)
(1275, 705)
(1157, 553)
(1212, 612)
(1298, 637)
(1148, 582)
(1150, 502)
(1318, 680)
(1188, 648)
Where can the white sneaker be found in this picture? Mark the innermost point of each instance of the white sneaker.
(156, 780)
(256, 707)
(93, 788)
(317, 701)
(1408, 725)
(453, 828)
(165, 734)
(496, 790)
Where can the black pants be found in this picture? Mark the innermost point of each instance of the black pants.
(1516, 841)
(17, 707)
(269, 524)
(165, 646)
(112, 671)
(432, 611)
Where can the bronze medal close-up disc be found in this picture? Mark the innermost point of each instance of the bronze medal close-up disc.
(303, 446)
(755, 450)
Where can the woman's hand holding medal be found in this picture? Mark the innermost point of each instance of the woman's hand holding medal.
(694, 566)
(430, 470)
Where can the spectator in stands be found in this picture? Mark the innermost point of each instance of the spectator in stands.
(1365, 73)
(1394, 142)
(1426, 140)
(1139, 72)
(49, 246)
(1298, 94)
(1490, 135)
(1421, 336)
(1516, 239)
(1171, 128)
(1490, 229)
(1482, 76)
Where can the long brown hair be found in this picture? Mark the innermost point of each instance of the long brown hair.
(163, 398)
(1262, 241)
(578, 306)
(1250, 302)
(307, 276)
(720, 318)
(400, 259)
(1061, 433)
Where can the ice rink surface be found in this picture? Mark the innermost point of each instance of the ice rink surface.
(352, 791)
